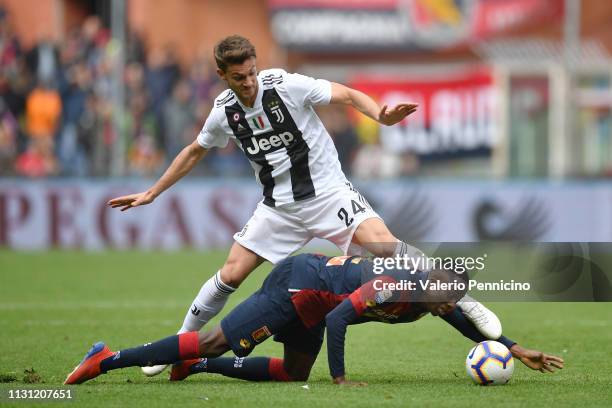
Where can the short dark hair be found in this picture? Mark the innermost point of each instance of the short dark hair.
(447, 276)
(233, 50)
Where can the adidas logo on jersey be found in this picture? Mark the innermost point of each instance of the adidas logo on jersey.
(266, 143)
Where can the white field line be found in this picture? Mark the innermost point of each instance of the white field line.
(604, 322)
(76, 305)
(101, 304)
(90, 323)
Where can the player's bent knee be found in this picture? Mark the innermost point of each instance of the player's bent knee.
(298, 369)
(233, 273)
(299, 376)
(384, 237)
(239, 264)
(297, 373)
(213, 343)
(373, 231)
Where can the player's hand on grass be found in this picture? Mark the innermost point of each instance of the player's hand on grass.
(395, 114)
(536, 360)
(342, 381)
(132, 200)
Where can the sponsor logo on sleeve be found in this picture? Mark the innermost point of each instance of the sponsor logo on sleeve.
(245, 344)
(261, 334)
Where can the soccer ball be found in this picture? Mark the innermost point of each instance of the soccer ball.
(489, 363)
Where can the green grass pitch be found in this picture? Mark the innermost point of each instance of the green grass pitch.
(54, 305)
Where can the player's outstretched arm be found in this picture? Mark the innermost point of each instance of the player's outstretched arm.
(337, 321)
(533, 359)
(346, 313)
(536, 360)
(181, 165)
(385, 115)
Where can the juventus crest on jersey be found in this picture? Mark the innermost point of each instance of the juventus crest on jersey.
(292, 154)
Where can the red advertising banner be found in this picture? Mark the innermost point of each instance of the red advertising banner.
(334, 4)
(456, 112)
(497, 16)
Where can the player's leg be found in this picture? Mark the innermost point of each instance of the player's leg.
(373, 235)
(458, 319)
(270, 234)
(301, 349)
(302, 346)
(267, 312)
(100, 359)
(295, 366)
(347, 219)
(214, 293)
(260, 316)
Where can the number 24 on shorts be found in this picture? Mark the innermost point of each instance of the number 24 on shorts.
(344, 215)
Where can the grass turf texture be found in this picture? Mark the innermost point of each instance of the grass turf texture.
(54, 305)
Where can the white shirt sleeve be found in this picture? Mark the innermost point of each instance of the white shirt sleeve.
(307, 90)
(211, 134)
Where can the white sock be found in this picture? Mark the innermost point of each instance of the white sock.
(207, 304)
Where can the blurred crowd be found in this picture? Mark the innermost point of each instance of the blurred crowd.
(57, 108)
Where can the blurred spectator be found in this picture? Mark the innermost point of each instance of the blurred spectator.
(144, 156)
(162, 73)
(97, 119)
(38, 160)
(204, 78)
(8, 139)
(71, 151)
(103, 80)
(43, 110)
(10, 48)
(95, 38)
(89, 136)
(135, 49)
(178, 119)
(134, 79)
(336, 122)
(228, 162)
(13, 94)
(43, 61)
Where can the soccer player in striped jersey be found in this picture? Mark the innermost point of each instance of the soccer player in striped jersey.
(301, 297)
(270, 116)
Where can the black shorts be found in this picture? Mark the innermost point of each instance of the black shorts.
(270, 312)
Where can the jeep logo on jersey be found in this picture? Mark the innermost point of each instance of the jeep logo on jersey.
(266, 143)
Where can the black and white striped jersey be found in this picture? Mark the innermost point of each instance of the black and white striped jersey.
(293, 156)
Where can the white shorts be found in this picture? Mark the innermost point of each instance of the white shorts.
(274, 233)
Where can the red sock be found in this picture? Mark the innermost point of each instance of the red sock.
(189, 345)
(277, 370)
